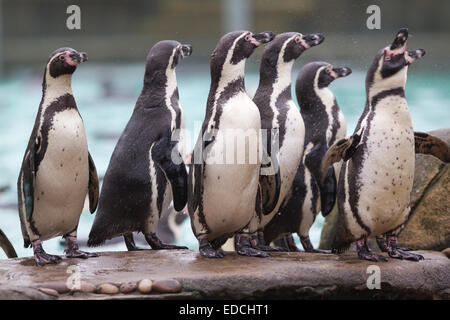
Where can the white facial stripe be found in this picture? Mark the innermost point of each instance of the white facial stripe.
(55, 88)
(381, 84)
(327, 98)
(171, 86)
(283, 80)
(233, 72)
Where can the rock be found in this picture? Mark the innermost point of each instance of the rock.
(145, 286)
(128, 287)
(107, 288)
(87, 287)
(428, 227)
(285, 275)
(60, 287)
(167, 286)
(50, 292)
(446, 252)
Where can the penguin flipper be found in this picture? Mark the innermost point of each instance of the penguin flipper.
(340, 150)
(427, 144)
(6, 245)
(195, 184)
(29, 178)
(328, 190)
(93, 186)
(175, 173)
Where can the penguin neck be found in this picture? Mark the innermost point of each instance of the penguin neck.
(159, 86)
(277, 77)
(230, 73)
(314, 97)
(377, 86)
(53, 88)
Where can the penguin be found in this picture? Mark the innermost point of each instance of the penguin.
(222, 188)
(146, 170)
(282, 122)
(57, 170)
(324, 124)
(6, 245)
(377, 175)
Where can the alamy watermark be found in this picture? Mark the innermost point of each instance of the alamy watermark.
(374, 20)
(73, 21)
(374, 278)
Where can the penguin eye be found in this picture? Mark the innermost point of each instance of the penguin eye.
(298, 39)
(248, 37)
(387, 58)
(61, 57)
(327, 70)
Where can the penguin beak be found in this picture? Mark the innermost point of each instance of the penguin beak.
(311, 40)
(398, 46)
(341, 72)
(263, 37)
(186, 50)
(75, 58)
(413, 55)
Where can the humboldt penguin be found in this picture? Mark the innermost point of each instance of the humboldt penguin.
(377, 176)
(223, 184)
(146, 171)
(57, 170)
(324, 125)
(281, 123)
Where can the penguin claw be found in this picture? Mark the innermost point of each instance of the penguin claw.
(209, 252)
(251, 252)
(402, 255)
(80, 254)
(319, 251)
(45, 258)
(269, 248)
(372, 257)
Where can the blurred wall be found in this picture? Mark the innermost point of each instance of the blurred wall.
(113, 30)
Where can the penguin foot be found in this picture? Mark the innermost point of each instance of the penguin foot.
(129, 242)
(41, 257)
(257, 242)
(244, 247)
(73, 251)
(403, 255)
(206, 249)
(157, 244)
(365, 253)
(383, 245)
(396, 252)
(307, 245)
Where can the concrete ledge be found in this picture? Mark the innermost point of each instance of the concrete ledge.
(285, 275)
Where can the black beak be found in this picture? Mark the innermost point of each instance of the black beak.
(264, 37)
(313, 39)
(79, 57)
(400, 39)
(342, 72)
(186, 49)
(416, 54)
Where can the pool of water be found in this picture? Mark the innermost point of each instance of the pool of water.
(106, 96)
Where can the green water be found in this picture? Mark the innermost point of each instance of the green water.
(106, 96)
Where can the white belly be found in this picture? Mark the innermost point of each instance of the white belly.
(230, 189)
(62, 178)
(290, 156)
(388, 172)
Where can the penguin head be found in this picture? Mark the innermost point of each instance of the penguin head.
(319, 74)
(391, 63)
(235, 47)
(64, 61)
(166, 54)
(289, 46)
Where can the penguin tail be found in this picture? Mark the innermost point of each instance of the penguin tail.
(96, 239)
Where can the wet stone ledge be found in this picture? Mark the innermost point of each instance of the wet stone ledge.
(296, 275)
